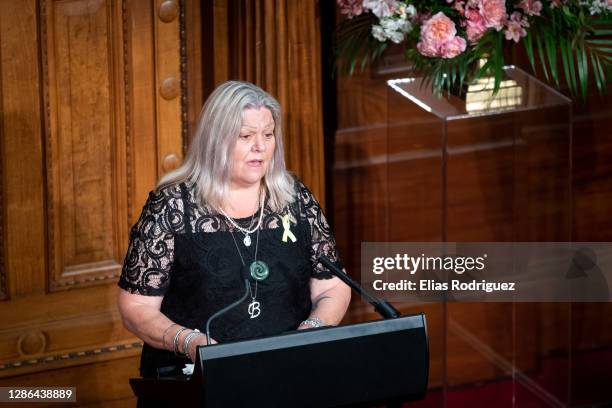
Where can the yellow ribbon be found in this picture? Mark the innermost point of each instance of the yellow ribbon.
(287, 225)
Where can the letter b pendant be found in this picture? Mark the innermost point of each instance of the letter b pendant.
(254, 309)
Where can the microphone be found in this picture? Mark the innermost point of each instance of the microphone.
(385, 309)
(244, 274)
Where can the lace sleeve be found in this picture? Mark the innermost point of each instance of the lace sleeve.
(321, 238)
(146, 269)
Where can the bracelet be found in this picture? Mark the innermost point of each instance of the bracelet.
(176, 340)
(166, 332)
(195, 333)
(314, 322)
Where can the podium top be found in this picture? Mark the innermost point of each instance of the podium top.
(365, 363)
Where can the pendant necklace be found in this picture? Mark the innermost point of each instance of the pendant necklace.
(247, 237)
(259, 271)
(248, 231)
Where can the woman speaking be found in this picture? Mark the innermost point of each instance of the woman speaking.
(230, 210)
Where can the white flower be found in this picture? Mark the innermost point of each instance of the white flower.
(381, 8)
(379, 33)
(396, 36)
(597, 6)
(392, 28)
(410, 11)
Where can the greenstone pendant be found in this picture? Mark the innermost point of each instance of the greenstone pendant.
(259, 270)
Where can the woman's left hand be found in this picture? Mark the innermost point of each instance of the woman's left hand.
(198, 341)
(330, 299)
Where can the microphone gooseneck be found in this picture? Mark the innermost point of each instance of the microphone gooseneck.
(247, 285)
(385, 309)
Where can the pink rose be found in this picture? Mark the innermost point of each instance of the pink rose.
(351, 8)
(438, 29)
(475, 25)
(453, 48)
(493, 12)
(438, 38)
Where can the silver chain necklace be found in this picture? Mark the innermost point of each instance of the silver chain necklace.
(247, 231)
(259, 272)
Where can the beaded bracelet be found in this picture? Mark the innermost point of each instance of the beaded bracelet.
(176, 340)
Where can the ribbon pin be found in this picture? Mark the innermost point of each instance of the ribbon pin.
(287, 225)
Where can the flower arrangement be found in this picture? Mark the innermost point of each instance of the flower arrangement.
(445, 39)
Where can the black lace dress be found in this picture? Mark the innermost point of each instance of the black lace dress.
(190, 256)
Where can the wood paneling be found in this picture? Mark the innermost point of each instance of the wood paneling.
(141, 107)
(22, 137)
(508, 178)
(191, 63)
(85, 152)
(592, 168)
(95, 382)
(39, 328)
(168, 78)
(3, 294)
(88, 119)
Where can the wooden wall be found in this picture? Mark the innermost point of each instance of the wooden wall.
(92, 109)
(99, 98)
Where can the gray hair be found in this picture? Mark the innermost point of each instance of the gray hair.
(208, 163)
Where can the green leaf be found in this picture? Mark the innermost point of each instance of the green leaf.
(600, 32)
(462, 69)
(541, 54)
(567, 11)
(598, 41)
(497, 58)
(528, 41)
(583, 72)
(572, 70)
(599, 77)
(565, 57)
(551, 52)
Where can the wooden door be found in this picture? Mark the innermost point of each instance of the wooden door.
(92, 95)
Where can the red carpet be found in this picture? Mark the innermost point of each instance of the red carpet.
(585, 380)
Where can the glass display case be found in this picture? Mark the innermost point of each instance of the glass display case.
(484, 167)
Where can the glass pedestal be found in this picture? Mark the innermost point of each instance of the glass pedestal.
(485, 168)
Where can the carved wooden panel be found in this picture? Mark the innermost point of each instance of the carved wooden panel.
(3, 294)
(168, 75)
(85, 155)
(79, 147)
(99, 375)
(21, 128)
